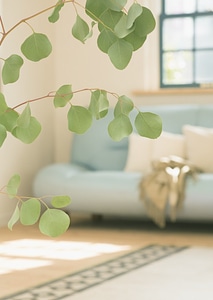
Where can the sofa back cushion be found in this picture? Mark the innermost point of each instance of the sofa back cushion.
(205, 117)
(96, 150)
(174, 116)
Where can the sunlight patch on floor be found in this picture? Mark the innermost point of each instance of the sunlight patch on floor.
(9, 265)
(24, 254)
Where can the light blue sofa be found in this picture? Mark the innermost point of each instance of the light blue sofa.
(95, 177)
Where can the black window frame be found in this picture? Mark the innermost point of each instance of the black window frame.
(163, 17)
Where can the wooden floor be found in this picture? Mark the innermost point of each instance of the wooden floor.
(127, 234)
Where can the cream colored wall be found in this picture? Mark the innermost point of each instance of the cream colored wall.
(36, 80)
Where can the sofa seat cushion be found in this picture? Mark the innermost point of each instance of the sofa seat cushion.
(94, 191)
(198, 198)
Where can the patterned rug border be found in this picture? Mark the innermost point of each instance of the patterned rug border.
(76, 282)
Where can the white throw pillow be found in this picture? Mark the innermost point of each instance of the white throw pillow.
(139, 154)
(168, 144)
(199, 146)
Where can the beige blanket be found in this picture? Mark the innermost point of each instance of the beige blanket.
(164, 188)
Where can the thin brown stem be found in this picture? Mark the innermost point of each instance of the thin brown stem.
(95, 89)
(52, 95)
(2, 26)
(33, 100)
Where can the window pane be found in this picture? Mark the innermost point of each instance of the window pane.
(180, 6)
(204, 32)
(178, 67)
(178, 33)
(204, 66)
(205, 5)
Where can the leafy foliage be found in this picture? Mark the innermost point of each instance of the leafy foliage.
(120, 127)
(148, 124)
(30, 211)
(99, 104)
(14, 218)
(63, 96)
(54, 17)
(120, 32)
(13, 185)
(60, 201)
(117, 28)
(79, 119)
(3, 134)
(52, 222)
(80, 29)
(11, 68)
(36, 47)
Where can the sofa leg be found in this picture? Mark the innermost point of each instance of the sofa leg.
(97, 218)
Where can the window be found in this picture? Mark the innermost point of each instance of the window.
(186, 43)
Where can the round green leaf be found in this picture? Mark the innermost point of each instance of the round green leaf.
(120, 54)
(116, 5)
(124, 106)
(99, 104)
(3, 134)
(54, 222)
(3, 104)
(36, 47)
(109, 19)
(135, 40)
(134, 11)
(9, 119)
(28, 134)
(11, 68)
(145, 23)
(148, 124)
(63, 95)
(79, 119)
(95, 8)
(105, 39)
(121, 29)
(30, 211)
(13, 185)
(80, 29)
(60, 201)
(55, 14)
(120, 127)
(14, 219)
(24, 118)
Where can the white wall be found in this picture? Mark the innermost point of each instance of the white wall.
(36, 80)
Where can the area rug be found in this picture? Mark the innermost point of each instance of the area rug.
(155, 272)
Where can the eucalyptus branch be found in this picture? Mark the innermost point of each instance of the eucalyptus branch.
(34, 100)
(118, 42)
(94, 16)
(2, 26)
(96, 89)
(53, 94)
(6, 33)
